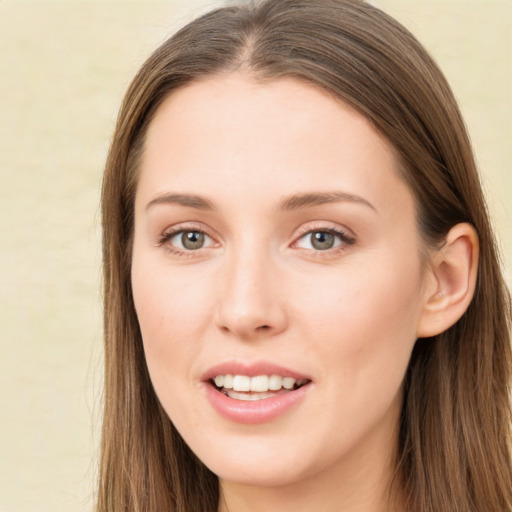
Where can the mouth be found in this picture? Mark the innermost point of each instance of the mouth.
(259, 387)
(252, 392)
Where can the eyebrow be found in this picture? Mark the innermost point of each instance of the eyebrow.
(311, 199)
(190, 200)
(289, 203)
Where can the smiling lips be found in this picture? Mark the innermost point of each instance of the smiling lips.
(254, 393)
(260, 387)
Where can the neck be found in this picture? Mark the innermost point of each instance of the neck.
(359, 485)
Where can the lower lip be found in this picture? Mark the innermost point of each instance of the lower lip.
(257, 411)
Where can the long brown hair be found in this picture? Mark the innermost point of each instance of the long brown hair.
(454, 450)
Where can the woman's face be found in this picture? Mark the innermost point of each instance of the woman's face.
(275, 246)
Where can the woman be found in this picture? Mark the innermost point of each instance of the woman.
(303, 303)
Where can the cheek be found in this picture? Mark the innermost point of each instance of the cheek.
(173, 309)
(168, 300)
(362, 325)
(172, 314)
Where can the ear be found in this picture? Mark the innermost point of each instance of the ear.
(450, 281)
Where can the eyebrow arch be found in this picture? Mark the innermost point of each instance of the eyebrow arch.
(311, 199)
(190, 200)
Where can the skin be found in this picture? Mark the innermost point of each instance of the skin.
(348, 317)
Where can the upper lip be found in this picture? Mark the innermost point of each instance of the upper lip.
(251, 369)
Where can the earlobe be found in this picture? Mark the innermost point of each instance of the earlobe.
(452, 281)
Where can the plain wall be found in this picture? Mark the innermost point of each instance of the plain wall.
(64, 66)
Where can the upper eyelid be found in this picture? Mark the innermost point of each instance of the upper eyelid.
(164, 240)
(185, 226)
(345, 236)
(332, 227)
(342, 236)
(170, 232)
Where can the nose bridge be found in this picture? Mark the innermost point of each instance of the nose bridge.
(250, 302)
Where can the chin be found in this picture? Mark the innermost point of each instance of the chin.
(262, 461)
(248, 473)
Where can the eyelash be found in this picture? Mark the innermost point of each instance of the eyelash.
(169, 234)
(344, 239)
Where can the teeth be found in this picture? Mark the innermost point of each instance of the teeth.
(248, 396)
(228, 381)
(288, 383)
(259, 384)
(275, 382)
(241, 383)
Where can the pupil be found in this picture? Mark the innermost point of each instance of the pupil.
(322, 240)
(192, 240)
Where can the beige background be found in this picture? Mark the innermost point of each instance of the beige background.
(64, 66)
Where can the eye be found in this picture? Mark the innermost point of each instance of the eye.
(323, 240)
(187, 240)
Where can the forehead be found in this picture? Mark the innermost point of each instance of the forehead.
(232, 135)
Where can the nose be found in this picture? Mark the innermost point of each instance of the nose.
(251, 301)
